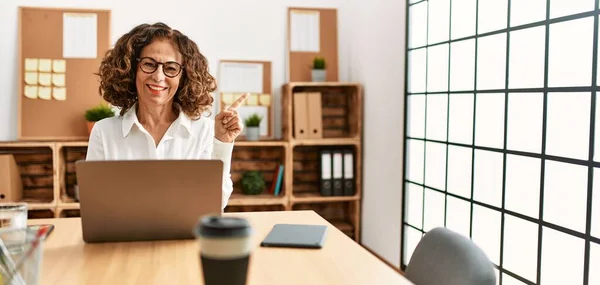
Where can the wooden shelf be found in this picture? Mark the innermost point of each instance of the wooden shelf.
(321, 84)
(316, 198)
(237, 143)
(340, 214)
(266, 143)
(40, 206)
(235, 200)
(327, 141)
(26, 144)
(261, 143)
(68, 206)
(341, 125)
(64, 199)
(73, 143)
(47, 168)
(251, 200)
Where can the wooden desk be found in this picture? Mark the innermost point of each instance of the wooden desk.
(68, 260)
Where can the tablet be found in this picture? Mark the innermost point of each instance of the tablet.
(295, 236)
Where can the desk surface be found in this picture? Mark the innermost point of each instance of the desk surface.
(68, 260)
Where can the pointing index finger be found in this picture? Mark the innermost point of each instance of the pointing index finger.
(239, 101)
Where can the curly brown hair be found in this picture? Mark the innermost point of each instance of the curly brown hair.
(117, 70)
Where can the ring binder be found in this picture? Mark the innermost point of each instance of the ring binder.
(326, 166)
(338, 187)
(348, 173)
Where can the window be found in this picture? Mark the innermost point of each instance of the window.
(503, 133)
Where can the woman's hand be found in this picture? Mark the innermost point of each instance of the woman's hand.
(228, 124)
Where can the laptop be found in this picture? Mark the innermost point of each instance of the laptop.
(144, 200)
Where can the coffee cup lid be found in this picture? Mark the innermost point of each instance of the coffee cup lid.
(217, 226)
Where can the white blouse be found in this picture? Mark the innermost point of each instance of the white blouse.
(124, 138)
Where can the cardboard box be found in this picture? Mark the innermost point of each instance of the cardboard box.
(11, 186)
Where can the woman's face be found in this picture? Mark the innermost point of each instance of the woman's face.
(159, 70)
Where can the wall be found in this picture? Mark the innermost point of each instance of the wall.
(377, 60)
(371, 51)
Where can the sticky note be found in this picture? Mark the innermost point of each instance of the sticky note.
(44, 79)
(59, 65)
(44, 93)
(265, 99)
(227, 98)
(252, 100)
(237, 96)
(59, 93)
(58, 79)
(31, 64)
(45, 65)
(30, 92)
(31, 78)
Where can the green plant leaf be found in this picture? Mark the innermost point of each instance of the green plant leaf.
(253, 120)
(253, 182)
(98, 113)
(319, 63)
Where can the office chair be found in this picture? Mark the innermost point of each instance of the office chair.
(445, 257)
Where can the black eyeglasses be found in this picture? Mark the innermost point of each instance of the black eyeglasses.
(149, 65)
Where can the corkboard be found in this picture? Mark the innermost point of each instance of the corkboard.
(267, 91)
(41, 37)
(300, 62)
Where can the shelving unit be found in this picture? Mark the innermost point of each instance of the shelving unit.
(48, 168)
(342, 117)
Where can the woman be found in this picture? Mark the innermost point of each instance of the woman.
(160, 81)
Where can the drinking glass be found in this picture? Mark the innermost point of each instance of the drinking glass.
(13, 215)
(21, 252)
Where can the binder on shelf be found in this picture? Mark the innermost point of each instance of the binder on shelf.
(300, 102)
(315, 115)
(348, 173)
(279, 180)
(326, 181)
(337, 172)
(274, 182)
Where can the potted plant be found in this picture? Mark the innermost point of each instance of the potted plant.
(253, 182)
(253, 127)
(96, 114)
(318, 69)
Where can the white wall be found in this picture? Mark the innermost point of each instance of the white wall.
(371, 51)
(377, 60)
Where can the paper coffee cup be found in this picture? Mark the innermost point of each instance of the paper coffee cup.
(225, 248)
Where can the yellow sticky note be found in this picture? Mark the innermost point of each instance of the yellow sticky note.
(31, 78)
(45, 65)
(59, 65)
(58, 79)
(252, 100)
(44, 79)
(45, 93)
(227, 98)
(31, 64)
(265, 99)
(30, 92)
(59, 93)
(238, 96)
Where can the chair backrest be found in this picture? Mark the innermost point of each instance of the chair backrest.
(446, 257)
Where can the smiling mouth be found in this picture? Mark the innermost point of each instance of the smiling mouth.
(156, 88)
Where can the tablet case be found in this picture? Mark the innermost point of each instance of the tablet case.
(295, 236)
